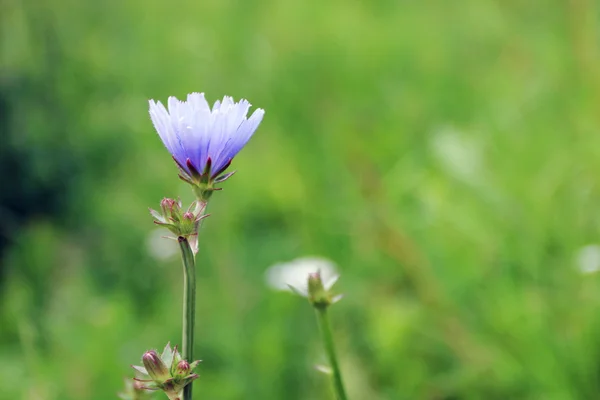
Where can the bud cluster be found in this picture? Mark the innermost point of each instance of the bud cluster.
(167, 372)
(181, 223)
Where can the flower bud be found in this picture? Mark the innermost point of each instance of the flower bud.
(318, 296)
(169, 207)
(183, 369)
(156, 368)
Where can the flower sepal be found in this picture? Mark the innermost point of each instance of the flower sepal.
(203, 182)
(319, 293)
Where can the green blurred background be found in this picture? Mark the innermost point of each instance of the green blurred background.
(445, 154)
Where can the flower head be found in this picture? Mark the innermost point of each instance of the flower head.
(309, 277)
(203, 141)
(294, 274)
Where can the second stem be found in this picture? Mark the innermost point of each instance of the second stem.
(325, 328)
(189, 306)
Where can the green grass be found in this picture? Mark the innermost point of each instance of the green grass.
(444, 154)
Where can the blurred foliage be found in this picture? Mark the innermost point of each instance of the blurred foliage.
(444, 154)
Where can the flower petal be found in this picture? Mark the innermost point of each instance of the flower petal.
(239, 139)
(331, 281)
(198, 102)
(218, 139)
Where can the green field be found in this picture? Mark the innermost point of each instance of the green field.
(444, 154)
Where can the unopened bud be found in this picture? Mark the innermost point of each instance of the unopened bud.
(167, 205)
(317, 294)
(156, 368)
(183, 369)
(189, 216)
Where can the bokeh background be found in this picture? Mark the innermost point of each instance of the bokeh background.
(444, 154)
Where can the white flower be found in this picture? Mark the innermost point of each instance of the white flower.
(159, 248)
(588, 259)
(458, 153)
(294, 274)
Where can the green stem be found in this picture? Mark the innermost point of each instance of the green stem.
(328, 342)
(189, 306)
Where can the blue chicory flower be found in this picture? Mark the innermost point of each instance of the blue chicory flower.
(203, 141)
